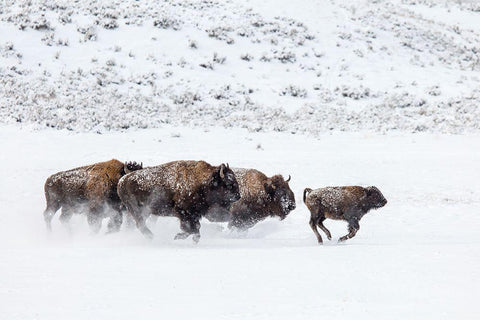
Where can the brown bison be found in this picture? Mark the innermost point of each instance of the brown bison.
(92, 188)
(261, 197)
(184, 189)
(348, 203)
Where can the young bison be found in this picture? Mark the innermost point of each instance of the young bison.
(184, 189)
(349, 203)
(261, 197)
(93, 187)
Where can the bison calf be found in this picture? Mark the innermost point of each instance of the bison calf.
(92, 187)
(261, 197)
(185, 189)
(348, 203)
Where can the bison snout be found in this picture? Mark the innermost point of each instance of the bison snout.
(291, 206)
(380, 204)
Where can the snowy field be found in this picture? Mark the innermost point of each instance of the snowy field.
(331, 92)
(416, 258)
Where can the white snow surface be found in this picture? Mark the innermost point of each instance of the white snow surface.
(416, 258)
(294, 66)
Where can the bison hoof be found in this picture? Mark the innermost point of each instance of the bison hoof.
(181, 236)
(196, 237)
(342, 239)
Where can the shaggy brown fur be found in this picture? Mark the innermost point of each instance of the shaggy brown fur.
(185, 189)
(261, 197)
(93, 186)
(349, 203)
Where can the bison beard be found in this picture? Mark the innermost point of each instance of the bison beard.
(184, 189)
(93, 187)
(349, 203)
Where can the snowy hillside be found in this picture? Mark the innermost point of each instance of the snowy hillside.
(294, 66)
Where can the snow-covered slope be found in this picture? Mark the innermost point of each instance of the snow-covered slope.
(416, 258)
(301, 66)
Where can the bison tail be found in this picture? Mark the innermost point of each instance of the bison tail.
(305, 192)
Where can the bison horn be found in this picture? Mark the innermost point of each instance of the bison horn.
(125, 168)
(222, 175)
(288, 180)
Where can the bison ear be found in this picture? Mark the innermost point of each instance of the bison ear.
(218, 176)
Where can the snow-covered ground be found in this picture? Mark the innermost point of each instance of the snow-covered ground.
(331, 92)
(416, 258)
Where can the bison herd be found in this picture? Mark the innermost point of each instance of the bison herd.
(192, 190)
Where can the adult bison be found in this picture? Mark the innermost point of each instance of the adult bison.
(184, 189)
(91, 188)
(261, 197)
(348, 203)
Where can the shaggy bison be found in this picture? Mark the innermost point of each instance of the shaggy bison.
(348, 203)
(184, 189)
(91, 187)
(261, 197)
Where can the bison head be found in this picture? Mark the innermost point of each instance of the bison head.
(132, 166)
(279, 192)
(375, 198)
(223, 187)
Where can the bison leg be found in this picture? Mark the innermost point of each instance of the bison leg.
(140, 218)
(324, 229)
(129, 221)
(242, 217)
(94, 215)
(94, 221)
(235, 223)
(189, 228)
(190, 225)
(242, 223)
(52, 208)
(115, 222)
(67, 213)
(144, 229)
(140, 222)
(116, 219)
(353, 227)
(153, 219)
(313, 225)
(217, 214)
